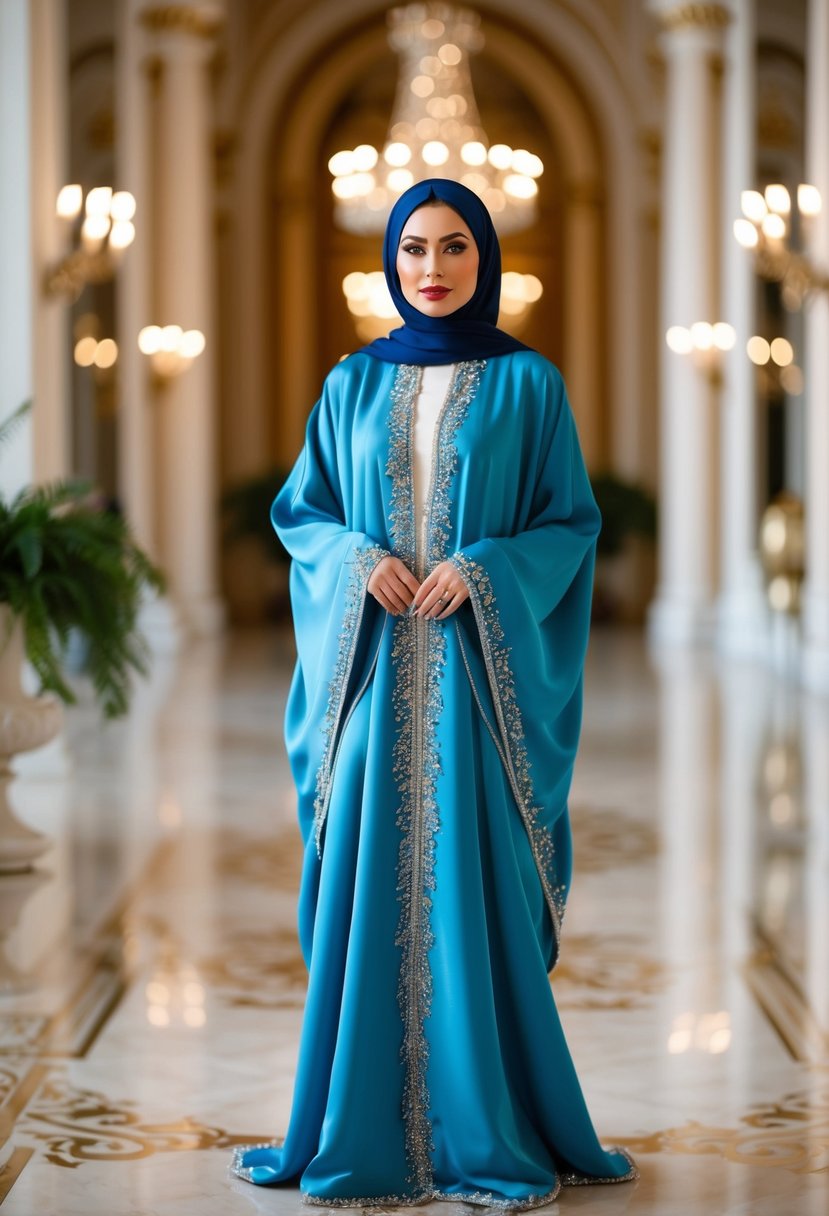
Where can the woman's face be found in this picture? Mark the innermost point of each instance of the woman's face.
(437, 261)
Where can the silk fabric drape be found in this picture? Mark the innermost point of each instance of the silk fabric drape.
(432, 762)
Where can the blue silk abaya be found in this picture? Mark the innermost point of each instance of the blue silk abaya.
(432, 761)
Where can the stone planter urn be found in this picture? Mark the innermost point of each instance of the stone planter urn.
(25, 724)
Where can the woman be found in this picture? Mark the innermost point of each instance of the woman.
(442, 530)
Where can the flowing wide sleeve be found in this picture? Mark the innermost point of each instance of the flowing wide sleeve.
(331, 565)
(530, 594)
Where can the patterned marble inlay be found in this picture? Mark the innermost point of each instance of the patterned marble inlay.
(792, 1134)
(604, 838)
(20, 1032)
(607, 971)
(76, 1125)
(274, 861)
(258, 969)
(80, 1125)
(8, 1081)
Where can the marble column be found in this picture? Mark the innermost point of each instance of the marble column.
(816, 588)
(582, 317)
(16, 296)
(182, 36)
(134, 279)
(50, 144)
(742, 615)
(30, 146)
(133, 285)
(692, 41)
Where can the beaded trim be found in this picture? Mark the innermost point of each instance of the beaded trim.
(407, 380)
(418, 652)
(588, 1180)
(243, 1171)
(510, 724)
(486, 1198)
(483, 1199)
(480, 1198)
(363, 562)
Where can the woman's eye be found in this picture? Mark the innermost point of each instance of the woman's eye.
(413, 249)
(456, 248)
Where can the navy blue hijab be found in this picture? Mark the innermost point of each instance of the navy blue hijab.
(470, 332)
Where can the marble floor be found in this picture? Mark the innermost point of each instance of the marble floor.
(151, 988)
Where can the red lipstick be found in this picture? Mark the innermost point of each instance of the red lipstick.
(435, 293)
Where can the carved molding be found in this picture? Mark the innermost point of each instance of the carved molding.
(703, 16)
(182, 19)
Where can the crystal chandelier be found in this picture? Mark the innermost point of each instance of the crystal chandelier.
(373, 312)
(435, 130)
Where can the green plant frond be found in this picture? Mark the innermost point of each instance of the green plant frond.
(30, 550)
(9, 425)
(52, 496)
(68, 568)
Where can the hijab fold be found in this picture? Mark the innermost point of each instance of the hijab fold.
(471, 331)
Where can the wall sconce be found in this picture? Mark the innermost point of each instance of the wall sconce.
(775, 364)
(705, 343)
(771, 228)
(170, 349)
(104, 232)
(90, 350)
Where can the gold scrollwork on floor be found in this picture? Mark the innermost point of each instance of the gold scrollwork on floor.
(604, 839)
(79, 1125)
(606, 971)
(273, 861)
(792, 1134)
(259, 969)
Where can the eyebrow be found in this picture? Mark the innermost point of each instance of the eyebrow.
(425, 240)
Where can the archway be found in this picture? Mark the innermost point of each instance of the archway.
(300, 80)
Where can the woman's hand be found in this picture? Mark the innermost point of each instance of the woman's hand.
(441, 594)
(393, 585)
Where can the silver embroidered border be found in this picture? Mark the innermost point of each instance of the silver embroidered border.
(363, 562)
(418, 651)
(486, 1198)
(483, 1199)
(478, 1198)
(502, 684)
(588, 1180)
(404, 392)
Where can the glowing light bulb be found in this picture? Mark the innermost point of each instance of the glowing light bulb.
(753, 205)
(778, 199)
(808, 199)
(397, 154)
(435, 152)
(69, 202)
(679, 340)
(473, 153)
(758, 350)
(746, 233)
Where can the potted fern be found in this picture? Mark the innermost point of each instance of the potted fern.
(69, 568)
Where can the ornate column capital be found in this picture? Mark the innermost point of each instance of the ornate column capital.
(200, 20)
(672, 16)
